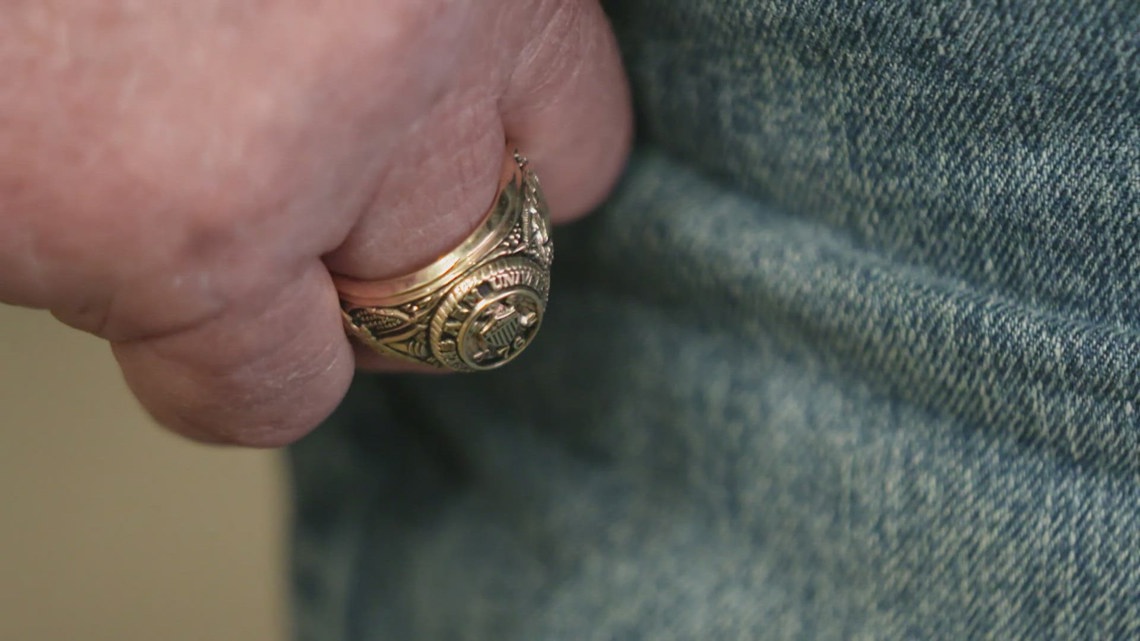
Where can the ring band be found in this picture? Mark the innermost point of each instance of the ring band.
(478, 306)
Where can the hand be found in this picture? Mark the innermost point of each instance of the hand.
(181, 177)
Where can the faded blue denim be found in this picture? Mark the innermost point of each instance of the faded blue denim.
(852, 353)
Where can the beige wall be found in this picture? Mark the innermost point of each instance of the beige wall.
(111, 529)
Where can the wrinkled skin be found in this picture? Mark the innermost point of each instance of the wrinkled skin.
(180, 178)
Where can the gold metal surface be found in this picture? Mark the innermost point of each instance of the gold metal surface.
(476, 307)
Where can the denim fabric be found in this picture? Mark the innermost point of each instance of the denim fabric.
(852, 353)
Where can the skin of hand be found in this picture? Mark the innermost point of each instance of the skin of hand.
(180, 178)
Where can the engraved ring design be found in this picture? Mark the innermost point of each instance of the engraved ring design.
(475, 308)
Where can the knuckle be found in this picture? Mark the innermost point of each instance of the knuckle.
(555, 53)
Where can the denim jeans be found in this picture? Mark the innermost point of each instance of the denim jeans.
(852, 353)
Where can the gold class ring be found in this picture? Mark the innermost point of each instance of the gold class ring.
(476, 307)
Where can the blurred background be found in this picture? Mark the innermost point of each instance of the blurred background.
(111, 529)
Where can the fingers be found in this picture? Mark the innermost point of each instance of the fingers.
(568, 108)
(557, 93)
(439, 183)
(262, 375)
